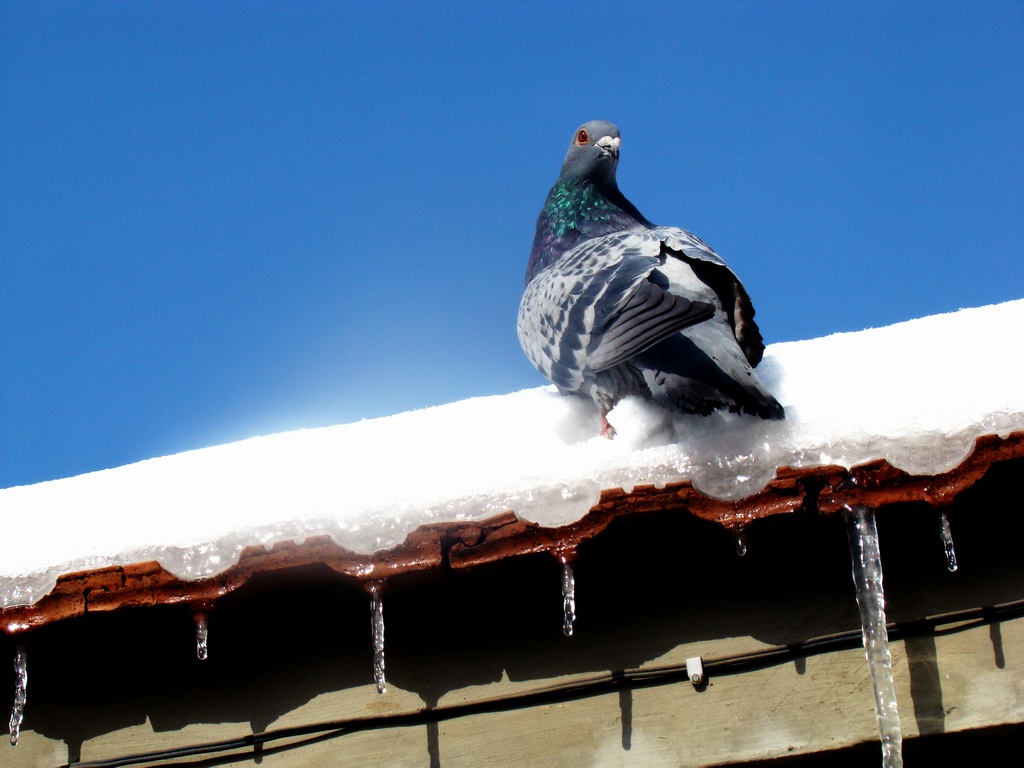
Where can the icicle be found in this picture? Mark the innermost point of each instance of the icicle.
(739, 534)
(202, 635)
(947, 541)
(568, 596)
(201, 615)
(867, 579)
(565, 556)
(377, 628)
(20, 683)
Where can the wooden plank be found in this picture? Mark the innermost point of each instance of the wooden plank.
(956, 681)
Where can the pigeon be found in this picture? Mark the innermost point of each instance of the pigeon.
(615, 306)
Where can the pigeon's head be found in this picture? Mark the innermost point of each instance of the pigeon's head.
(594, 151)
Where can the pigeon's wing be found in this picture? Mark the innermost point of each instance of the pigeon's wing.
(715, 273)
(649, 314)
(597, 307)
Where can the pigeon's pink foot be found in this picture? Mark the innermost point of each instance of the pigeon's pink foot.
(607, 430)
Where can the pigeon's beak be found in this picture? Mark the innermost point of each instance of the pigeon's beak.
(609, 146)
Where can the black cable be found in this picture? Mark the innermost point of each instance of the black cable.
(949, 623)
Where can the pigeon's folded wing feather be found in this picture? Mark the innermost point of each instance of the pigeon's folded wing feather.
(649, 315)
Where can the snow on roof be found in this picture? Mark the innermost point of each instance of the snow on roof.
(916, 394)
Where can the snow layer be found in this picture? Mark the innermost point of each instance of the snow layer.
(916, 394)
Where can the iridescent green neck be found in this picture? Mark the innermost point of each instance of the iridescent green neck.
(573, 205)
(577, 209)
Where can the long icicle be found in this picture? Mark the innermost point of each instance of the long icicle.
(568, 597)
(20, 684)
(566, 555)
(377, 630)
(947, 541)
(867, 579)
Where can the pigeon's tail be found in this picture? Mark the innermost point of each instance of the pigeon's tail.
(696, 381)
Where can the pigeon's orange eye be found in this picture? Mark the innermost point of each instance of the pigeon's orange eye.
(582, 137)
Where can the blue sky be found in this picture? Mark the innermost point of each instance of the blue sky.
(226, 219)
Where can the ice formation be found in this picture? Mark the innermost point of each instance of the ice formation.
(947, 541)
(867, 580)
(568, 598)
(739, 536)
(377, 633)
(202, 637)
(368, 484)
(20, 684)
